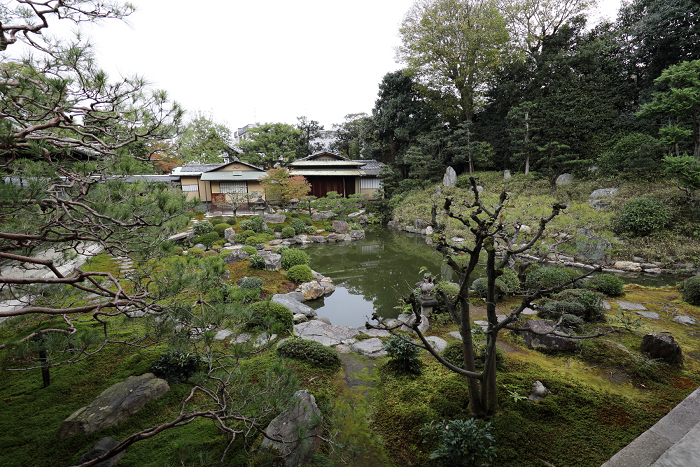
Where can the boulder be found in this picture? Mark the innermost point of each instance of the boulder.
(630, 306)
(236, 256)
(100, 448)
(539, 392)
(438, 343)
(291, 301)
(200, 246)
(373, 347)
(312, 290)
(687, 320)
(592, 248)
(629, 266)
(273, 261)
(241, 338)
(357, 234)
(564, 179)
(548, 341)
(222, 335)
(318, 239)
(450, 177)
(230, 235)
(420, 224)
(409, 319)
(375, 332)
(298, 428)
(300, 239)
(603, 192)
(323, 215)
(328, 287)
(329, 335)
(114, 405)
(506, 174)
(341, 227)
(275, 218)
(663, 347)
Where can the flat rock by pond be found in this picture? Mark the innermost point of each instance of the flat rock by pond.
(291, 301)
(373, 347)
(329, 335)
(630, 306)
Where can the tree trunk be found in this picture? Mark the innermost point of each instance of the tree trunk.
(489, 389)
(45, 375)
(392, 149)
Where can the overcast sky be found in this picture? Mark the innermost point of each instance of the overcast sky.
(263, 60)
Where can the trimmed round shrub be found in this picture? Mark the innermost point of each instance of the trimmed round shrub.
(643, 216)
(548, 277)
(571, 321)
(300, 273)
(178, 251)
(294, 257)
(270, 316)
(176, 365)
(510, 278)
(257, 261)
(310, 230)
(217, 220)
(310, 351)
(278, 227)
(480, 285)
(203, 227)
(298, 225)
(251, 283)
(592, 303)
(243, 236)
(280, 248)
(232, 221)
(691, 290)
(609, 284)
(254, 240)
(553, 309)
(403, 356)
(207, 239)
(219, 228)
(269, 231)
(210, 253)
(307, 220)
(250, 250)
(195, 252)
(288, 232)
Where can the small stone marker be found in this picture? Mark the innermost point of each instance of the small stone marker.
(539, 392)
(450, 177)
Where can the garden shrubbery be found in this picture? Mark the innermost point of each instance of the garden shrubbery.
(175, 366)
(203, 227)
(548, 277)
(250, 250)
(294, 257)
(298, 225)
(251, 283)
(255, 223)
(270, 316)
(288, 232)
(642, 216)
(403, 356)
(195, 252)
(207, 239)
(300, 273)
(257, 261)
(691, 290)
(609, 284)
(310, 351)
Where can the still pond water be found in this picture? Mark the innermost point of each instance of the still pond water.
(371, 274)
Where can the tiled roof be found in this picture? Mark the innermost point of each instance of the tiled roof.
(371, 166)
(202, 167)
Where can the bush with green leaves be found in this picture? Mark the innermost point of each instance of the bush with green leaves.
(591, 301)
(403, 356)
(308, 221)
(642, 216)
(178, 251)
(210, 253)
(310, 230)
(243, 236)
(298, 225)
(207, 239)
(255, 223)
(288, 232)
(634, 152)
(310, 351)
(176, 365)
(254, 240)
(480, 285)
(454, 353)
(461, 442)
(294, 257)
(232, 221)
(546, 277)
(251, 283)
(572, 321)
(270, 317)
(609, 284)
(217, 220)
(202, 227)
(279, 249)
(299, 274)
(257, 261)
(195, 252)
(220, 228)
(250, 250)
(691, 290)
(554, 309)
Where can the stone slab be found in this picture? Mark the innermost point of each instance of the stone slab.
(641, 452)
(649, 314)
(630, 306)
(687, 320)
(438, 343)
(373, 347)
(684, 453)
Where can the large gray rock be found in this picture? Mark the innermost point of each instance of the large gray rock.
(230, 235)
(373, 347)
(409, 319)
(592, 248)
(312, 290)
(564, 179)
(603, 193)
(357, 234)
(100, 448)
(663, 347)
(291, 301)
(506, 174)
(323, 215)
(438, 343)
(341, 227)
(450, 177)
(329, 335)
(275, 218)
(548, 341)
(273, 261)
(115, 405)
(298, 428)
(236, 256)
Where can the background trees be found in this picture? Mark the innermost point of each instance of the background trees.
(203, 140)
(271, 143)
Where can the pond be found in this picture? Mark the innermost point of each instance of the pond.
(371, 274)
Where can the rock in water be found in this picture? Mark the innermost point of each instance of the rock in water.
(298, 427)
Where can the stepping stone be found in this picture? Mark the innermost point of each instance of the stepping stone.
(241, 338)
(630, 306)
(373, 347)
(649, 314)
(456, 335)
(375, 332)
(327, 334)
(223, 334)
(437, 343)
(342, 348)
(606, 305)
(264, 339)
(687, 320)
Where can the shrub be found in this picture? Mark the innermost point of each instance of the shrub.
(195, 252)
(310, 351)
(251, 283)
(571, 321)
(176, 365)
(257, 261)
(278, 227)
(609, 284)
(232, 221)
(250, 250)
(217, 220)
(591, 301)
(403, 356)
(634, 152)
(307, 220)
(207, 239)
(461, 442)
(203, 227)
(300, 273)
(642, 216)
(310, 230)
(548, 277)
(254, 240)
(691, 290)
(243, 236)
(479, 286)
(293, 257)
(553, 309)
(454, 354)
(298, 225)
(219, 228)
(280, 248)
(210, 253)
(270, 316)
(178, 251)
(510, 278)
(256, 223)
(288, 232)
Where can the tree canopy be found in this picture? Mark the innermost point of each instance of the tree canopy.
(270, 144)
(203, 140)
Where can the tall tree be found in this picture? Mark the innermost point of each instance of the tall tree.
(205, 141)
(353, 137)
(270, 144)
(309, 131)
(282, 187)
(454, 49)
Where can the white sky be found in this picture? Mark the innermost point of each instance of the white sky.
(261, 60)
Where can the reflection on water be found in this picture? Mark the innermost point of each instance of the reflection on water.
(371, 274)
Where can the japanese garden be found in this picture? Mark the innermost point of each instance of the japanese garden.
(499, 264)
